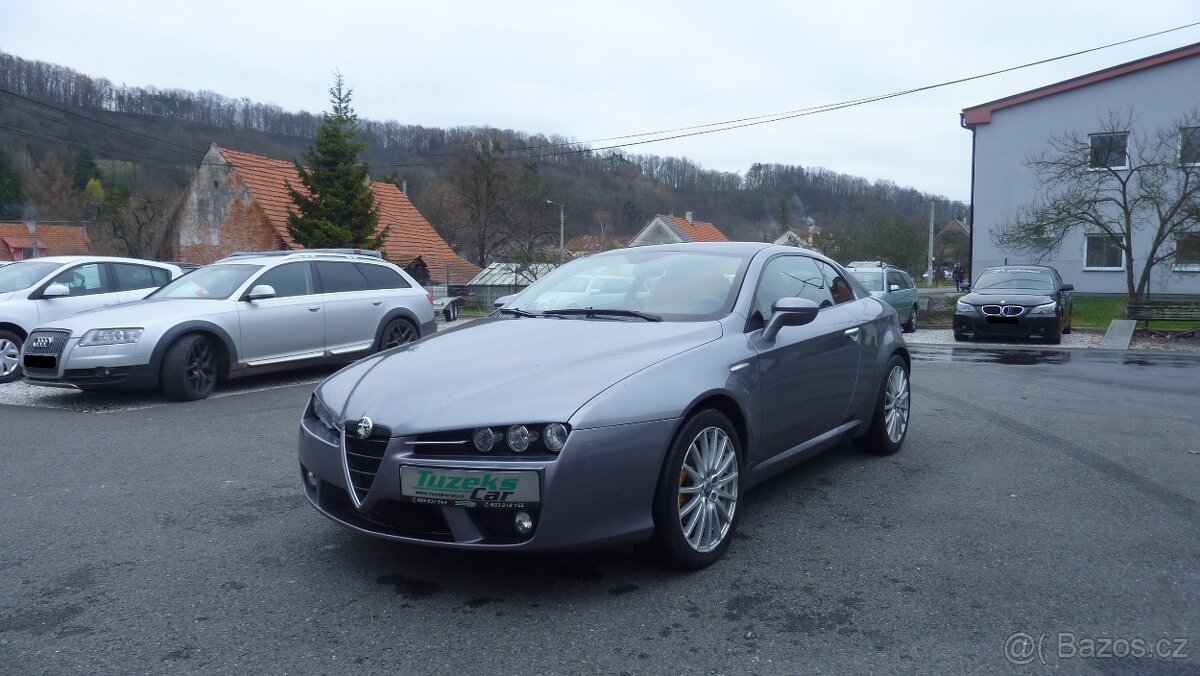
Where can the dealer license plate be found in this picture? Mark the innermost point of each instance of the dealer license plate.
(470, 488)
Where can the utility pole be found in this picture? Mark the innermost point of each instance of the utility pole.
(930, 260)
(561, 220)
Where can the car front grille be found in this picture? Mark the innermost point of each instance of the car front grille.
(45, 346)
(363, 457)
(1003, 310)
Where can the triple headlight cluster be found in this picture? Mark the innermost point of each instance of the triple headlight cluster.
(519, 438)
(111, 336)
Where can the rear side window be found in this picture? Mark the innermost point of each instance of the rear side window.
(340, 277)
(381, 277)
(131, 277)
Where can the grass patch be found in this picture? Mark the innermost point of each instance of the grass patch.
(1093, 312)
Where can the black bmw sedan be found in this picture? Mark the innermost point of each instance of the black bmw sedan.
(1015, 301)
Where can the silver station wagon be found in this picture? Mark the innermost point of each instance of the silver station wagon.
(243, 314)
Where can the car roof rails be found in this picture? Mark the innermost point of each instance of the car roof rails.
(294, 252)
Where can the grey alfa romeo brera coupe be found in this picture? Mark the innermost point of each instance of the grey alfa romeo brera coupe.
(583, 415)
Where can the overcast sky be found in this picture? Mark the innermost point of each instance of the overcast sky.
(595, 70)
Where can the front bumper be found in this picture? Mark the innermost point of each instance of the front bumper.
(124, 366)
(596, 493)
(1025, 326)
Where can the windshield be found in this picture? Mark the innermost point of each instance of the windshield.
(674, 285)
(214, 282)
(872, 279)
(24, 274)
(1034, 279)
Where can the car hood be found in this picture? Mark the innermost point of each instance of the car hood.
(503, 371)
(1008, 296)
(142, 313)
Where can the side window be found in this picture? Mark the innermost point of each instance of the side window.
(894, 277)
(84, 280)
(790, 277)
(340, 277)
(906, 281)
(382, 277)
(292, 279)
(839, 289)
(131, 277)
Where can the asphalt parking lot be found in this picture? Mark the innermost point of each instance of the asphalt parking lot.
(1048, 495)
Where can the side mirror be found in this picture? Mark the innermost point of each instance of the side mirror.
(261, 291)
(893, 287)
(789, 312)
(966, 286)
(503, 300)
(56, 291)
(1068, 287)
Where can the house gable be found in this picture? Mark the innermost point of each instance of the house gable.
(670, 229)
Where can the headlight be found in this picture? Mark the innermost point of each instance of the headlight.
(966, 308)
(1047, 309)
(554, 436)
(327, 418)
(110, 337)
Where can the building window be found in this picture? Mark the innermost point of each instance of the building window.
(1189, 145)
(1103, 252)
(1109, 151)
(1187, 252)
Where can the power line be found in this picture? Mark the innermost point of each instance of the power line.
(716, 127)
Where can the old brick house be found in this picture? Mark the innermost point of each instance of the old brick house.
(19, 241)
(239, 202)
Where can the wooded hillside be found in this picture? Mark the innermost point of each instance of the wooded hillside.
(146, 142)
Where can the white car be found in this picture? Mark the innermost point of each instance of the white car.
(40, 290)
(247, 313)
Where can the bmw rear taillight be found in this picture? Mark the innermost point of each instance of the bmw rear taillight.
(430, 297)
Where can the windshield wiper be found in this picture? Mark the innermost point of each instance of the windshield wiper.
(516, 311)
(596, 313)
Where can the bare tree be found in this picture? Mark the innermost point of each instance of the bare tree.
(482, 181)
(137, 227)
(1087, 184)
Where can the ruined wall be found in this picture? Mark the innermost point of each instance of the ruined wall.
(219, 216)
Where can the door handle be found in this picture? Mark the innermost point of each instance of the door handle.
(377, 302)
(314, 308)
(852, 334)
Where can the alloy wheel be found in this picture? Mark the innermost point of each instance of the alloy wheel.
(708, 489)
(10, 357)
(398, 333)
(201, 367)
(895, 404)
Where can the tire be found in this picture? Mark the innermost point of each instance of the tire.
(695, 497)
(889, 423)
(1056, 337)
(960, 337)
(10, 356)
(910, 325)
(190, 368)
(396, 333)
(1067, 329)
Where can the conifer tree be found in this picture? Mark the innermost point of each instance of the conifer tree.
(339, 208)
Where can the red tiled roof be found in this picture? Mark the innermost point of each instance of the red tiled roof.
(982, 114)
(696, 231)
(408, 237)
(52, 240)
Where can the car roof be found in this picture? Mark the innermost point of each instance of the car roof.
(269, 257)
(1011, 268)
(63, 260)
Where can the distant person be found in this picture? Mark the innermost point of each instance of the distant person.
(957, 274)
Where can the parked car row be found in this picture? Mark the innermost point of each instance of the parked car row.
(99, 323)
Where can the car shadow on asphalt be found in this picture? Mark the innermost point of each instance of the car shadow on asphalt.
(415, 572)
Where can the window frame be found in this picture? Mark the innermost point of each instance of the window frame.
(107, 283)
(1195, 147)
(1087, 268)
(312, 278)
(1092, 166)
(1193, 266)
